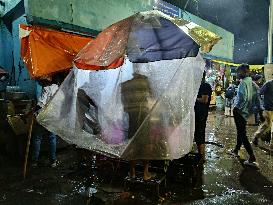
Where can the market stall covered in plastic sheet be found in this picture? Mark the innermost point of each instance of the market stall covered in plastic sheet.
(47, 51)
(143, 109)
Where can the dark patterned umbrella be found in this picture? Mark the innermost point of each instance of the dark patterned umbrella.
(144, 37)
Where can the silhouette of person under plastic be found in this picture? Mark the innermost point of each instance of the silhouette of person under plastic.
(135, 97)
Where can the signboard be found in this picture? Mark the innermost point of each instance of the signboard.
(166, 8)
(268, 71)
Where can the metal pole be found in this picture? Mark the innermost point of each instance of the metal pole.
(269, 54)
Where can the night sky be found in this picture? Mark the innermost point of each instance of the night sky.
(246, 19)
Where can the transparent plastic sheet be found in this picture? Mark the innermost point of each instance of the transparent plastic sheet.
(145, 115)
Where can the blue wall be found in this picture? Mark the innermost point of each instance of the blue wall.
(6, 48)
(10, 55)
(21, 75)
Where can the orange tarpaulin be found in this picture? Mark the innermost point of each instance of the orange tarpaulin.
(108, 49)
(47, 51)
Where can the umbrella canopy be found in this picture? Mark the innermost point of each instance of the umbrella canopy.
(144, 37)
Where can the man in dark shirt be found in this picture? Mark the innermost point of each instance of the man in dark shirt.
(201, 109)
(265, 127)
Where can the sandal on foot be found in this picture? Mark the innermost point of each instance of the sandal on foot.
(153, 175)
(131, 177)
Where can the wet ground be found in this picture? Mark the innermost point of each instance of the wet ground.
(79, 180)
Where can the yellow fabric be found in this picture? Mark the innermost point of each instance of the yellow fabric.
(252, 67)
(204, 37)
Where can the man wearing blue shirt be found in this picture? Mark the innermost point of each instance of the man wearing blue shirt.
(246, 99)
(265, 127)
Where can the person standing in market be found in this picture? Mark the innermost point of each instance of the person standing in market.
(229, 95)
(135, 98)
(257, 110)
(247, 98)
(201, 109)
(266, 126)
(49, 88)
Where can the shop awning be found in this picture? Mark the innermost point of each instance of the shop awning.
(251, 67)
(47, 51)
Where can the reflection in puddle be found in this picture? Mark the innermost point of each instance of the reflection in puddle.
(222, 180)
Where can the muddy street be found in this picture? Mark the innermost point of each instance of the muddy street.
(82, 178)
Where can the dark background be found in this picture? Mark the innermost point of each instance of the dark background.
(246, 19)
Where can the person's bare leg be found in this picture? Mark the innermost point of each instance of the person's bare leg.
(146, 174)
(132, 168)
(201, 151)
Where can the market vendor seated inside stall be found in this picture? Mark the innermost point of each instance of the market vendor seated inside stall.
(87, 112)
(135, 96)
